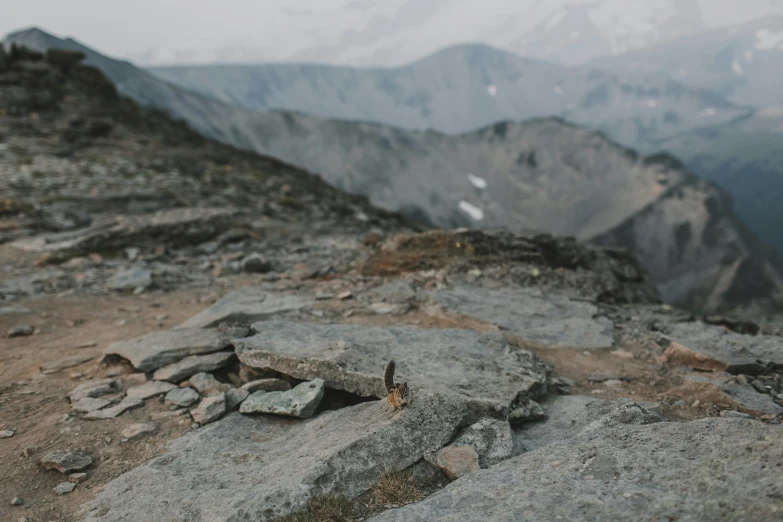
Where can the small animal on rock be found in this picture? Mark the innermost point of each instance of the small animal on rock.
(399, 394)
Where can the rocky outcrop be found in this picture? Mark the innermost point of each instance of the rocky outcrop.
(663, 470)
(281, 466)
(492, 376)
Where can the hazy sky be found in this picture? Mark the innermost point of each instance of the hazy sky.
(124, 29)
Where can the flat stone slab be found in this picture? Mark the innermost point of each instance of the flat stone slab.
(157, 349)
(209, 409)
(64, 487)
(710, 469)
(551, 320)
(66, 461)
(246, 306)
(95, 389)
(739, 353)
(149, 389)
(206, 384)
(115, 411)
(137, 431)
(88, 404)
(481, 367)
(301, 401)
(189, 366)
(266, 385)
(64, 364)
(182, 397)
(262, 467)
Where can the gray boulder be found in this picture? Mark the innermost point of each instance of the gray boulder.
(154, 350)
(259, 468)
(245, 306)
(301, 401)
(549, 319)
(711, 469)
(483, 368)
(95, 389)
(66, 461)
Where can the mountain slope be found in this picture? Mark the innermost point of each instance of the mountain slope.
(546, 175)
(745, 157)
(743, 63)
(487, 85)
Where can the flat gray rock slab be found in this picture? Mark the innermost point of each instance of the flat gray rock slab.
(481, 367)
(115, 411)
(66, 461)
(95, 389)
(64, 364)
(149, 389)
(740, 353)
(89, 404)
(209, 409)
(244, 468)
(139, 430)
(562, 412)
(157, 349)
(246, 306)
(130, 279)
(301, 401)
(551, 320)
(711, 469)
(182, 397)
(189, 366)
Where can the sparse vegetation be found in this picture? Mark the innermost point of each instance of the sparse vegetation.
(324, 508)
(396, 488)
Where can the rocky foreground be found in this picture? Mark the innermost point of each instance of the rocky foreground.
(214, 351)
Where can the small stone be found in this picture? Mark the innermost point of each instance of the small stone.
(88, 344)
(760, 386)
(130, 279)
(679, 404)
(149, 390)
(88, 404)
(235, 397)
(491, 438)
(64, 487)
(209, 409)
(267, 385)
(7, 434)
(598, 377)
(17, 501)
(255, 264)
(622, 353)
(182, 397)
(301, 402)
(455, 462)
(345, 295)
(136, 431)
(21, 330)
(95, 389)
(78, 478)
(115, 411)
(64, 364)
(206, 384)
(66, 461)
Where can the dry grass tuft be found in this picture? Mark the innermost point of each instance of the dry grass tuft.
(325, 508)
(396, 488)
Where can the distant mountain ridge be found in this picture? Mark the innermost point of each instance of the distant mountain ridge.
(545, 174)
(463, 88)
